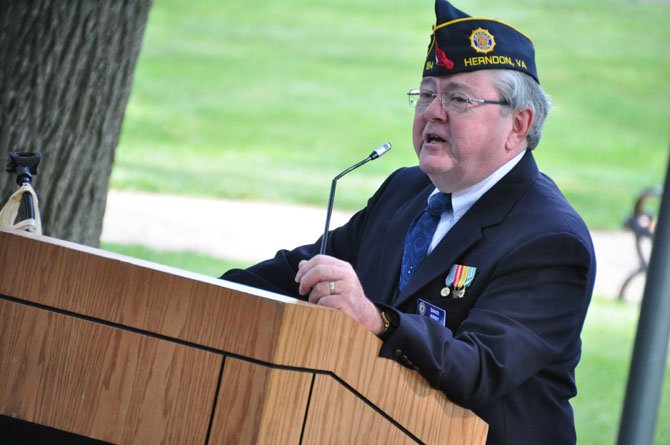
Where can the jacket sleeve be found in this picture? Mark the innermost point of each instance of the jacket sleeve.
(528, 316)
(277, 274)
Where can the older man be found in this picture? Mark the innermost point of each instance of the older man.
(472, 267)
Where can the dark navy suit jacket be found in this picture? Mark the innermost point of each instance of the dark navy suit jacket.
(512, 342)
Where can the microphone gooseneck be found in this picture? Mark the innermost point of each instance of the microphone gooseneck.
(377, 152)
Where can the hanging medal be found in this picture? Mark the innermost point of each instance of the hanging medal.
(458, 280)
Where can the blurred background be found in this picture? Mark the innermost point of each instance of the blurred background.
(268, 99)
(263, 102)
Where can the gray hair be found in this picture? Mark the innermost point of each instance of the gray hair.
(522, 91)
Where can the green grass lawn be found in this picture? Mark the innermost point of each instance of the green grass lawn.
(608, 338)
(190, 261)
(271, 99)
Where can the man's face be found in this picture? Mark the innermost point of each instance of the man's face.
(459, 149)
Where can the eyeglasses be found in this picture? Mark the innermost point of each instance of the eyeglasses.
(452, 101)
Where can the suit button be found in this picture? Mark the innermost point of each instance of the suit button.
(397, 353)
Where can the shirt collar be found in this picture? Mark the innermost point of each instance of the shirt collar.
(462, 200)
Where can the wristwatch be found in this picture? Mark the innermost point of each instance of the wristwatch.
(390, 320)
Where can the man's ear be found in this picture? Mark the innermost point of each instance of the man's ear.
(521, 121)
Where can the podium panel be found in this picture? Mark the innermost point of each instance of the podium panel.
(248, 391)
(102, 382)
(341, 417)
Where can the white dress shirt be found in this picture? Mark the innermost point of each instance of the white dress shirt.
(461, 201)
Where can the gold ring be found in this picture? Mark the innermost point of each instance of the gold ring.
(331, 287)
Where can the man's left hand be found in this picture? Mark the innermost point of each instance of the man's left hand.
(333, 283)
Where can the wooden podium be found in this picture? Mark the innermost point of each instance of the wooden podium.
(126, 351)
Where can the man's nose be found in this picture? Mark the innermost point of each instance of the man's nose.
(435, 110)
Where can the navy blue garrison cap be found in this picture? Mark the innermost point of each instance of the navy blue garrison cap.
(461, 43)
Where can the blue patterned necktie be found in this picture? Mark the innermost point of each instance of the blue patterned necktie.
(420, 235)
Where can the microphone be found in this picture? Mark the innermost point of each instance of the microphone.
(377, 152)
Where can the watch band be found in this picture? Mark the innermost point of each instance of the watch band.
(389, 320)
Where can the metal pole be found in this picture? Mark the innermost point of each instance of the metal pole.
(645, 379)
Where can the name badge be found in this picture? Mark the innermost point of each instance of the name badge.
(431, 311)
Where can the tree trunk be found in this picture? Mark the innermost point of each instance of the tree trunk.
(66, 69)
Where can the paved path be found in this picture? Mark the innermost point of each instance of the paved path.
(252, 231)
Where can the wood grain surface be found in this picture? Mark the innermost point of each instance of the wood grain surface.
(253, 395)
(102, 382)
(267, 341)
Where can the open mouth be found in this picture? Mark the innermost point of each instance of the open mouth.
(433, 138)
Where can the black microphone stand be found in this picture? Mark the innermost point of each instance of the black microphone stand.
(386, 146)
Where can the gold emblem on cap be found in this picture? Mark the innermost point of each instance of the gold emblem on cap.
(482, 41)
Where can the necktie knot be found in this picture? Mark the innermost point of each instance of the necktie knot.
(438, 204)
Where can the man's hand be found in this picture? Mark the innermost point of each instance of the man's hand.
(333, 283)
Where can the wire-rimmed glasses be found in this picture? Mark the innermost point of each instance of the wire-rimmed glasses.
(420, 99)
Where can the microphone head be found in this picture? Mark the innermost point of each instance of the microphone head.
(382, 149)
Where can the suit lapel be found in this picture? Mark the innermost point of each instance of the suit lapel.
(488, 211)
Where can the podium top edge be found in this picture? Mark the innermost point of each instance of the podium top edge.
(158, 267)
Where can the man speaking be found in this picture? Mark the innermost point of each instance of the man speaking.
(472, 267)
